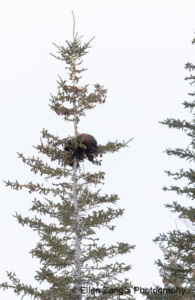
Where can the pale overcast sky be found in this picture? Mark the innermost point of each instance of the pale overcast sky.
(138, 54)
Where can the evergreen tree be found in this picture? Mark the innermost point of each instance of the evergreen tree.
(71, 256)
(178, 268)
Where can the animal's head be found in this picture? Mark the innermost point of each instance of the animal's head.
(92, 152)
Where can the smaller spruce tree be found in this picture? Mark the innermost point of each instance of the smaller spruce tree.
(178, 268)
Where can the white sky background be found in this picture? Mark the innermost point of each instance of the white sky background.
(138, 54)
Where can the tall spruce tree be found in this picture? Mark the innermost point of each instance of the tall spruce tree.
(69, 251)
(178, 268)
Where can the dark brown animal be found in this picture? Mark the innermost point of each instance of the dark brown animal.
(90, 148)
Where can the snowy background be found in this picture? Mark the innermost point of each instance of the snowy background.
(138, 54)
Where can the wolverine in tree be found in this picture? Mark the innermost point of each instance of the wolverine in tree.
(88, 147)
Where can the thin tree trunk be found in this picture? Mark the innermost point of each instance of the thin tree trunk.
(77, 215)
